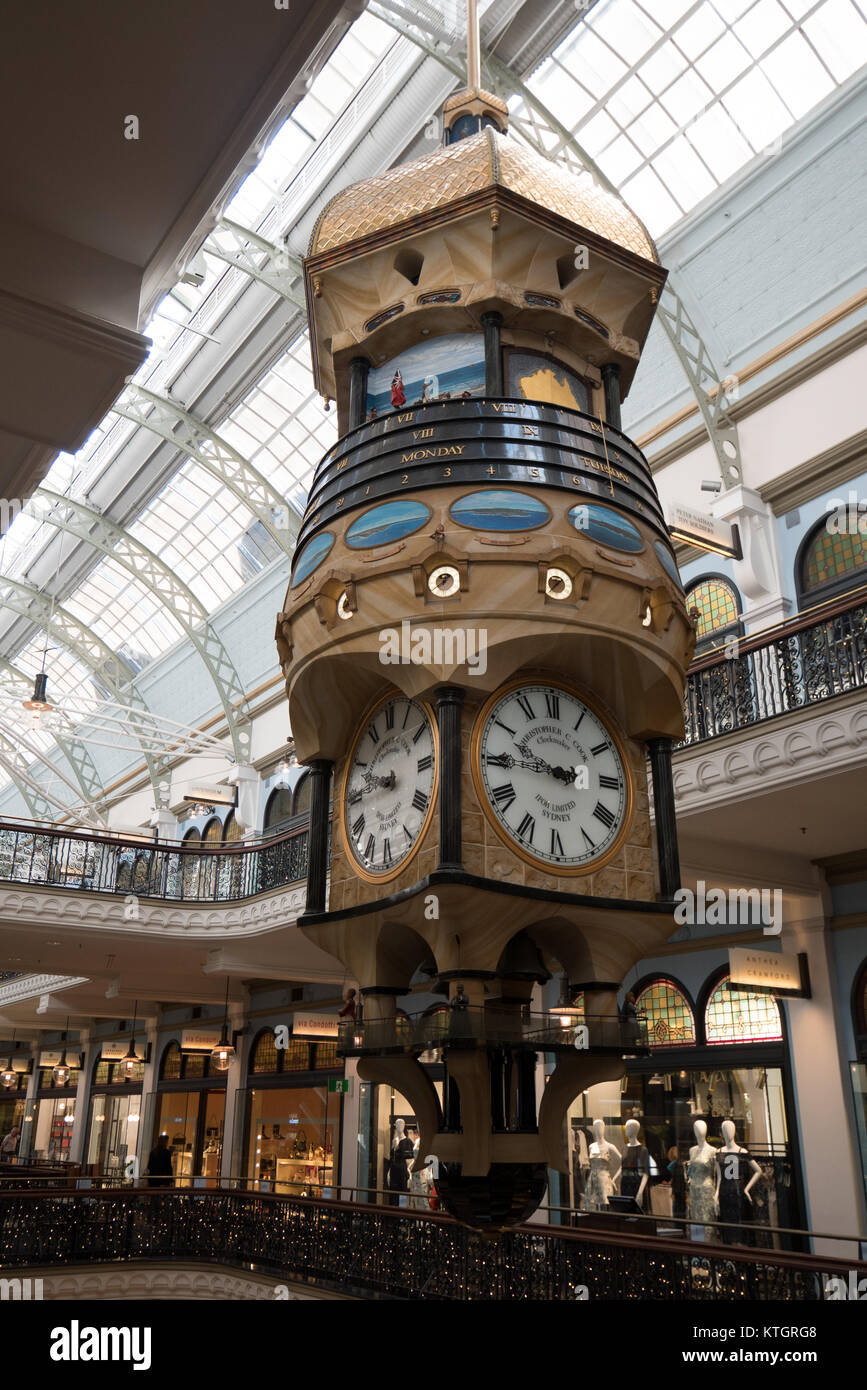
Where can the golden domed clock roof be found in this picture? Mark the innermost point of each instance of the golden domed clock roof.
(485, 160)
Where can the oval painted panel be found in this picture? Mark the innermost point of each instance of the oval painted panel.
(499, 509)
(667, 560)
(389, 522)
(605, 526)
(312, 555)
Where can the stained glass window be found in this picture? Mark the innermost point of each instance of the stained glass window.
(326, 1055)
(667, 1014)
(297, 1055)
(735, 1015)
(833, 556)
(716, 604)
(302, 795)
(265, 1053)
(171, 1068)
(279, 807)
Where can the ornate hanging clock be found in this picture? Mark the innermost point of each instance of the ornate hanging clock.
(551, 776)
(389, 787)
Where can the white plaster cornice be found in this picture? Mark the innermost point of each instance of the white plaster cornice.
(793, 748)
(172, 1282)
(102, 912)
(32, 986)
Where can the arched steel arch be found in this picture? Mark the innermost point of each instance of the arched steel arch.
(93, 653)
(163, 416)
(42, 804)
(674, 317)
(73, 749)
(105, 535)
(236, 245)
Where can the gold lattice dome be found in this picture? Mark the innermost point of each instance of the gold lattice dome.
(481, 161)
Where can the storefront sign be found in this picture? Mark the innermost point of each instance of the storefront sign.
(769, 972)
(314, 1026)
(200, 1039)
(17, 1062)
(703, 531)
(54, 1058)
(116, 1050)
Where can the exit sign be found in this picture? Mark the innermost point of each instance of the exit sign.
(341, 1084)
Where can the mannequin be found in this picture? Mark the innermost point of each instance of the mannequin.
(605, 1168)
(636, 1165)
(398, 1171)
(733, 1163)
(702, 1182)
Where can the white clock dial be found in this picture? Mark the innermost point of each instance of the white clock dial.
(552, 776)
(389, 786)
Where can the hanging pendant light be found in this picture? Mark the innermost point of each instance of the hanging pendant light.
(132, 1059)
(223, 1054)
(60, 1073)
(38, 704)
(8, 1077)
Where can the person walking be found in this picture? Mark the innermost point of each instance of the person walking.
(159, 1171)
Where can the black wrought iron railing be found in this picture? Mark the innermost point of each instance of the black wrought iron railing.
(374, 1250)
(815, 657)
(96, 864)
(494, 1027)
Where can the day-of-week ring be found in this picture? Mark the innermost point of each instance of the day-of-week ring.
(445, 451)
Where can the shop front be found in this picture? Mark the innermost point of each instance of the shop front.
(52, 1114)
(292, 1120)
(114, 1117)
(13, 1099)
(190, 1108)
(717, 1083)
(389, 1138)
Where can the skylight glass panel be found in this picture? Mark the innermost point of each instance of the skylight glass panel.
(723, 62)
(699, 31)
(595, 64)
(797, 74)
(652, 129)
(757, 110)
(838, 33)
(686, 97)
(684, 173)
(715, 131)
(650, 198)
(662, 67)
(599, 132)
(761, 26)
(629, 101)
(625, 28)
(621, 159)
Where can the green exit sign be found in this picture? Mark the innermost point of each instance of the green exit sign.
(341, 1084)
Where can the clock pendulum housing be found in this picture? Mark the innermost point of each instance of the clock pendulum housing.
(485, 641)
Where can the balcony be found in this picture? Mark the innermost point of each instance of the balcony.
(491, 1027)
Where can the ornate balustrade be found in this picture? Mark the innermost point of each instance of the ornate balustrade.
(371, 1250)
(101, 864)
(813, 658)
(491, 1027)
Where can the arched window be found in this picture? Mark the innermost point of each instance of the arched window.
(736, 1015)
(231, 829)
(302, 795)
(264, 1056)
(213, 832)
(718, 605)
(170, 1067)
(192, 837)
(830, 562)
(279, 808)
(667, 1014)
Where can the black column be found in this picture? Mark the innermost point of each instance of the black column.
(492, 322)
(317, 845)
(659, 750)
(358, 370)
(526, 1062)
(611, 383)
(450, 698)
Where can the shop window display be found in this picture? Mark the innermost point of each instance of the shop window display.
(388, 1148)
(294, 1136)
(652, 1120)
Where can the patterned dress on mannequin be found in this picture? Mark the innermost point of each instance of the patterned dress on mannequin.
(599, 1185)
(702, 1185)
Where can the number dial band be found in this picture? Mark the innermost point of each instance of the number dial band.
(529, 741)
(389, 787)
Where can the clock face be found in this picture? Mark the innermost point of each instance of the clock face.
(551, 777)
(389, 787)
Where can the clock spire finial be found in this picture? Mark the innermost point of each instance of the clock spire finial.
(474, 63)
(469, 111)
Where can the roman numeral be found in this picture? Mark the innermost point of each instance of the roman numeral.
(371, 730)
(509, 731)
(408, 834)
(526, 828)
(370, 848)
(354, 796)
(419, 731)
(359, 763)
(406, 716)
(389, 717)
(504, 795)
(525, 707)
(386, 852)
(590, 843)
(358, 826)
(580, 717)
(603, 814)
(556, 844)
(600, 748)
(552, 705)
(611, 783)
(420, 801)
(425, 762)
